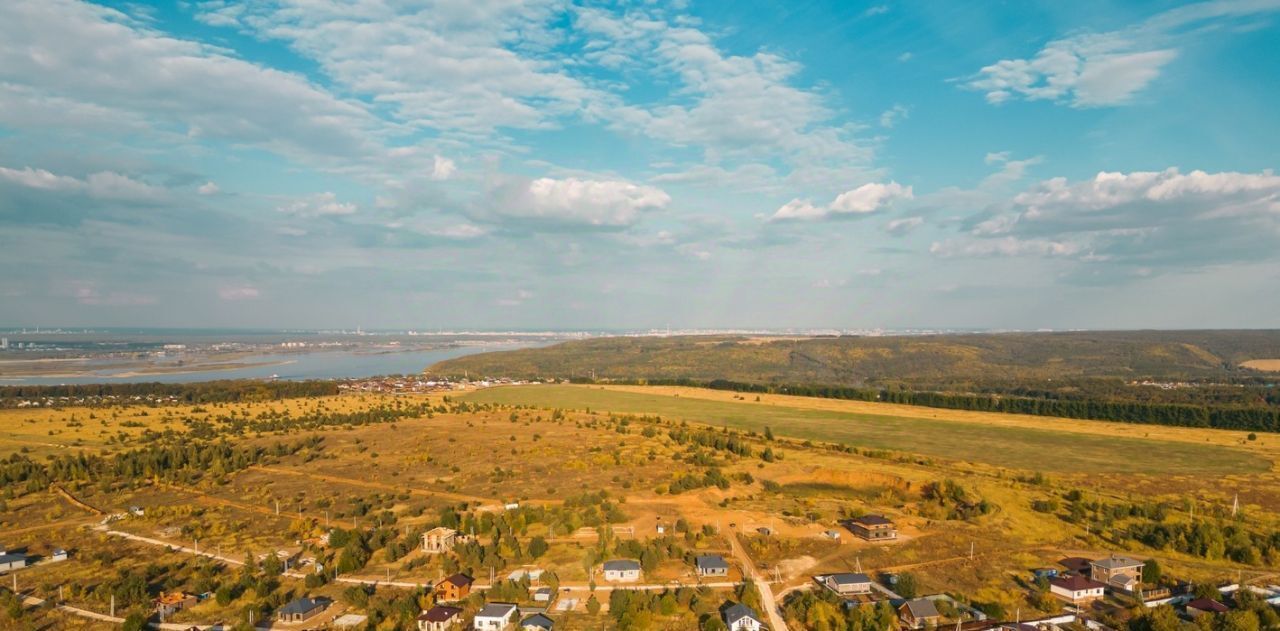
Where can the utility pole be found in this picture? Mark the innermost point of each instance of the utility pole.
(277, 508)
(113, 605)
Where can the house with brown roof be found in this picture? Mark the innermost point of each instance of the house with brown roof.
(919, 613)
(872, 528)
(455, 587)
(439, 618)
(1205, 607)
(1076, 589)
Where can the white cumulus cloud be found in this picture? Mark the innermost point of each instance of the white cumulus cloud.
(577, 202)
(1109, 68)
(443, 168)
(318, 205)
(864, 200)
(106, 185)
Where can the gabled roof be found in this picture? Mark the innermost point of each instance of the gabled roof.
(711, 562)
(738, 611)
(459, 580)
(1207, 604)
(621, 565)
(301, 605)
(439, 613)
(1075, 583)
(1122, 579)
(496, 610)
(849, 578)
(10, 558)
(537, 620)
(1115, 562)
(872, 520)
(1075, 564)
(921, 608)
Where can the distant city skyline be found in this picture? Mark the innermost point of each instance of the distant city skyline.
(552, 165)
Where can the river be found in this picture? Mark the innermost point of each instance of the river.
(291, 366)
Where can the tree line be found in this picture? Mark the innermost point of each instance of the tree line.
(222, 391)
(1246, 418)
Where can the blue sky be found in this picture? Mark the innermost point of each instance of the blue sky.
(549, 164)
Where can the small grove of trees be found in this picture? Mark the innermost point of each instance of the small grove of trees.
(954, 501)
(182, 461)
(1210, 539)
(821, 610)
(692, 481)
(635, 610)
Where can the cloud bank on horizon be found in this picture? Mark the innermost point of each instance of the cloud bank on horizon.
(498, 163)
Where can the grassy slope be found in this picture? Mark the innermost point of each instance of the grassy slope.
(1161, 354)
(1032, 448)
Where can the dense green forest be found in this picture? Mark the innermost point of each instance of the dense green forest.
(1196, 375)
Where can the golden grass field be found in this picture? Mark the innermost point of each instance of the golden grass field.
(1270, 365)
(485, 457)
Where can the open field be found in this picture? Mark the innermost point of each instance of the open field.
(1034, 443)
(475, 454)
(1269, 365)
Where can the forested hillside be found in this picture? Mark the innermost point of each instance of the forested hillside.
(1165, 377)
(861, 360)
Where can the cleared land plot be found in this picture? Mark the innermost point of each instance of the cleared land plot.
(1017, 447)
(1270, 365)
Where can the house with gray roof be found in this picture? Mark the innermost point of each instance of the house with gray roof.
(622, 570)
(919, 613)
(848, 583)
(12, 561)
(536, 622)
(495, 616)
(301, 609)
(711, 565)
(739, 617)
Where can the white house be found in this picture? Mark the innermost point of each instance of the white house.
(12, 562)
(622, 571)
(848, 583)
(1076, 589)
(495, 616)
(739, 617)
(711, 565)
